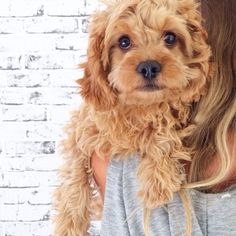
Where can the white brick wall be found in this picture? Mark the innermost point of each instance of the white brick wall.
(41, 42)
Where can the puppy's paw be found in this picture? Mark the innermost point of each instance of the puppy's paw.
(159, 182)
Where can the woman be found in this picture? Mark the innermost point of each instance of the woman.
(211, 174)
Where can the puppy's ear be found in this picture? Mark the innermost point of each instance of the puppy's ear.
(200, 67)
(191, 11)
(94, 85)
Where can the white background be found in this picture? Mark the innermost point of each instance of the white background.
(41, 43)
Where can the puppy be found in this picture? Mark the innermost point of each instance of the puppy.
(147, 63)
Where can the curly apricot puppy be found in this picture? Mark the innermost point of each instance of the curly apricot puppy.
(147, 62)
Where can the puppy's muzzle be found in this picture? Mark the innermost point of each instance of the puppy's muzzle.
(149, 69)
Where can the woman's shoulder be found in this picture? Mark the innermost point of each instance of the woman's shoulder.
(123, 211)
(122, 171)
(122, 205)
(129, 163)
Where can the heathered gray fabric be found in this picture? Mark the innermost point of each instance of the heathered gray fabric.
(213, 214)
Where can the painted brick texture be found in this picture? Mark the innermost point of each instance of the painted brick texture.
(41, 44)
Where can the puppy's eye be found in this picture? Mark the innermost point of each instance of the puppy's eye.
(124, 42)
(170, 38)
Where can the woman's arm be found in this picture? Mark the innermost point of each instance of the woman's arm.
(99, 166)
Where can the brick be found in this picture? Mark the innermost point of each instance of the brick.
(84, 25)
(10, 62)
(31, 8)
(59, 60)
(11, 25)
(40, 213)
(21, 113)
(42, 228)
(26, 79)
(39, 228)
(12, 96)
(31, 131)
(53, 96)
(11, 196)
(16, 179)
(13, 131)
(14, 8)
(24, 213)
(52, 25)
(43, 131)
(39, 96)
(64, 96)
(46, 178)
(63, 8)
(16, 229)
(2, 229)
(40, 196)
(43, 163)
(30, 148)
(61, 114)
(8, 42)
(12, 164)
(3, 80)
(91, 6)
(9, 212)
(39, 42)
(25, 43)
(39, 163)
(40, 78)
(32, 196)
(1, 149)
(19, 179)
(64, 78)
(72, 42)
(5, 10)
(36, 97)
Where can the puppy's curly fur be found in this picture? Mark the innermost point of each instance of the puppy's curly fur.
(127, 112)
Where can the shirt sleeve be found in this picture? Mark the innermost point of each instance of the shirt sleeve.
(114, 216)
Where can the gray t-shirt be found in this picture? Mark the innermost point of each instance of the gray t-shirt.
(213, 214)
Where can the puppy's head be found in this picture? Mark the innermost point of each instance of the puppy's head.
(145, 52)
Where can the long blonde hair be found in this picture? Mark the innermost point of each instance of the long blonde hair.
(215, 114)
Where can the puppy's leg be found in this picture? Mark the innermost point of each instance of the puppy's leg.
(72, 199)
(160, 178)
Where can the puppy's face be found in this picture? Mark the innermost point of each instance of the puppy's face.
(147, 51)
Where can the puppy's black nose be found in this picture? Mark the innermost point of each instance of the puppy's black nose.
(149, 69)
